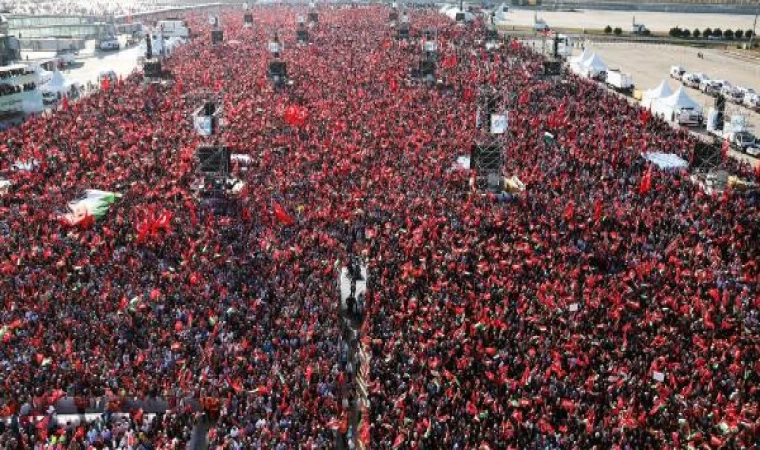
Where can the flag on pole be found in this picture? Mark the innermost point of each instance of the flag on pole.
(646, 182)
(281, 215)
(86, 210)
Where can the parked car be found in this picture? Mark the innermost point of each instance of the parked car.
(745, 90)
(752, 101)
(677, 72)
(743, 140)
(753, 150)
(66, 57)
(109, 44)
(691, 80)
(711, 87)
(732, 94)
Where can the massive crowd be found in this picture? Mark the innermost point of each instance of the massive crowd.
(586, 311)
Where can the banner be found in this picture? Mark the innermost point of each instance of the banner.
(499, 123)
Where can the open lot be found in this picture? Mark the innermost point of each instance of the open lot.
(655, 21)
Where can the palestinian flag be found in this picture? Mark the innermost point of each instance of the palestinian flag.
(548, 138)
(91, 207)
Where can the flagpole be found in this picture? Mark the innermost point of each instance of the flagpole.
(754, 25)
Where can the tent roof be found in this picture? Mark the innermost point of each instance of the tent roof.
(582, 57)
(679, 99)
(594, 62)
(57, 80)
(666, 161)
(662, 90)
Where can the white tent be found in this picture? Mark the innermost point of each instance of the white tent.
(661, 91)
(593, 66)
(43, 75)
(56, 85)
(452, 12)
(666, 161)
(501, 13)
(672, 104)
(582, 57)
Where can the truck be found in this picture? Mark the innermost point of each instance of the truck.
(689, 117)
(735, 131)
(619, 81)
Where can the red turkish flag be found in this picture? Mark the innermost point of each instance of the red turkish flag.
(281, 215)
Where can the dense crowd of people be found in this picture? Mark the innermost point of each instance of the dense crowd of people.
(592, 309)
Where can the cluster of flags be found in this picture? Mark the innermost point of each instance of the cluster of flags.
(295, 115)
(152, 224)
(449, 62)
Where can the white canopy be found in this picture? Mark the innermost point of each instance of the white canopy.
(43, 75)
(679, 99)
(662, 90)
(674, 104)
(581, 58)
(666, 161)
(452, 12)
(594, 64)
(501, 12)
(57, 84)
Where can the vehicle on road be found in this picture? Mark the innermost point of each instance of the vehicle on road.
(732, 94)
(711, 87)
(109, 43)
(691, 80)
(676, 72)
(619, 81)
(752, 101)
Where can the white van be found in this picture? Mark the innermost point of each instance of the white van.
(691, 80)
(676, 72)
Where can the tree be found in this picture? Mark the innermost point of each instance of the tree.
(607, 29)
(674, 32)
(685, 33)
(717, 32)
(696, 33)
(738, 34)
(748, 34)
(707, 32)
(728, 34)
(646, 32)
(618, 31)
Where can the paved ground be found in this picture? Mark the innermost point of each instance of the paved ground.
(655, 21)
(94, 62)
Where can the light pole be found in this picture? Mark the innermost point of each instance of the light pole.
(754, 25)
